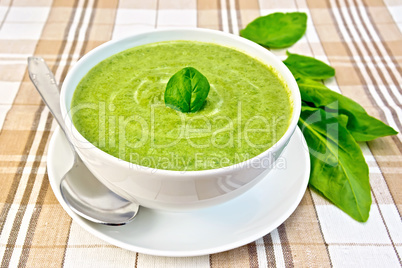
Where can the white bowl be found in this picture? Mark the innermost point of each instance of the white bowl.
(167, 189)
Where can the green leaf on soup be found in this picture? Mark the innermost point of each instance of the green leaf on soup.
(308, 67)
(338, 169)
(187, 90)
(276, 30)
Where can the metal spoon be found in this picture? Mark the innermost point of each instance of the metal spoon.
(81, 190)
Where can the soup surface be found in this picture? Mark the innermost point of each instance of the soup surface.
(119, 107)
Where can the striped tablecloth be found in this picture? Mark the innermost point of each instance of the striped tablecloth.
(361, 39)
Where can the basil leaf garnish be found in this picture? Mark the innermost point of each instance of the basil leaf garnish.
(276, 30)
(187, 90)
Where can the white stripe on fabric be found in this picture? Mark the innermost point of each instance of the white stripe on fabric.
(8, 91)
(395, 9)
(98, 258)
(80, 237)
(17, 158)
(23, 31)
(233, 16)
(340, 228)
(130, 16)
(28, 14)
(261, 253)
(43, 119)
(276, 242)
(177, 18)
(148, 261)
(26, 170)
(224, 16)
(352, 256)
(86, 250)
(3, 12)
(393, 221)
(121, 31)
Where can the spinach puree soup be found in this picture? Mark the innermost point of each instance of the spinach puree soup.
(119, 107)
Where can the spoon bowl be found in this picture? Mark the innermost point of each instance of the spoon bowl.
(80, 189)
(90, 199)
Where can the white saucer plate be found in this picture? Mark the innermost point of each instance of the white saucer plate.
(206, 231)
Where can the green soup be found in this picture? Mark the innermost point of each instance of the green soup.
(119, 107)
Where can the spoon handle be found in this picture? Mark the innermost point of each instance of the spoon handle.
(45, 83)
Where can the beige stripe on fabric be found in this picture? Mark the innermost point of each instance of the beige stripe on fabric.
(249, 11)
(208, 15)
(305, 237)
(151, 4)
(22, 47)
(27, 95)
(145, 261)
(20, 118)
(177, 4)
(238, 257)
(51, 234)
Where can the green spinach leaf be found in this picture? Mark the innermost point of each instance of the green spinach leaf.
(308, 67)
(331, 123)
(361, 125)
(276, 30)
(338, 169)
(187, 90)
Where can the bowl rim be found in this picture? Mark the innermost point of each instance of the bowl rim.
(283, 71)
